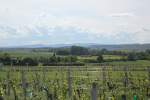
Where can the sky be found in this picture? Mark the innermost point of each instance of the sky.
(25, 22)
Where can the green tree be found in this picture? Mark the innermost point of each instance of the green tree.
(100, 58)
(6, 59)
(62, 52)
(73, 58)
(147, 51)
(53, 58)
(104, 51)
(132, 56)
(29, 61)
(78, 50)
(142, 56)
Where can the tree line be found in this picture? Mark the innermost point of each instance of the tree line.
(67, 56)
(6, 59)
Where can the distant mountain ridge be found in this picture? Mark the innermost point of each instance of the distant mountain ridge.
(139, 47)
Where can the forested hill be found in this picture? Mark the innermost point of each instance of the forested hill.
(139, 47)
(136, 47)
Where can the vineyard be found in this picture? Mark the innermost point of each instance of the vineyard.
(105, 82)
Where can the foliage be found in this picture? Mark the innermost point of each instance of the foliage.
(62, 52)
(132, 57)
(77, 50)
(74, 83)
(100, 58)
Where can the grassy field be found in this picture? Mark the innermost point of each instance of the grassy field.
(105, 57)
(48, 54)
(27, 54)
(137, 63)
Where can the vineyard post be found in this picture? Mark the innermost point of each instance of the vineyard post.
(37, 76)
(44, 74)
(103, 79)
(62, 76)
(8, 81)
(148, 81)
(24, 84)
(94, 92)
(104, 75)
(69, 79)
(149, 75)
(126, 76)
(125, 79)
(124, 83)
(69, 83)
(14, 91)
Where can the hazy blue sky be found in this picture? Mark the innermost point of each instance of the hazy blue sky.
(74, 21)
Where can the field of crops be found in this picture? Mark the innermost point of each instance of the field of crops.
(104, 82)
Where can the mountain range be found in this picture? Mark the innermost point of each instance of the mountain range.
(139, 47)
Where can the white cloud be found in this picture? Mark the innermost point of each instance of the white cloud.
(122, 15)
(143, 35)
(109, 19)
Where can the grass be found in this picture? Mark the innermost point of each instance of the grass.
(106, 57)
(28, 54)
(139, 63)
